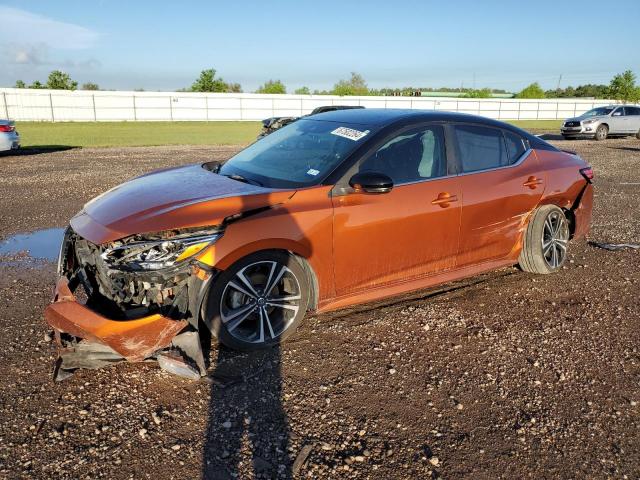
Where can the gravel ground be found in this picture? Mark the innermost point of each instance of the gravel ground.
(506, 375)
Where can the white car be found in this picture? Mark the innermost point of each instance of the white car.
(9, 137)
(601, 122)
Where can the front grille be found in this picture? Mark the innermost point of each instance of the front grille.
(572, 124)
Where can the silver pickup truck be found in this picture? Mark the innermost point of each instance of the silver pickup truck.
(601, 122)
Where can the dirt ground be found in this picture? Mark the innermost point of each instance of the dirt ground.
(507, 375)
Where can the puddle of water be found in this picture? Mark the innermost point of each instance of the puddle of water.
(43, 244)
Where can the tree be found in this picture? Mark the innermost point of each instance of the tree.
(90, 86)
(303, 91)
(272, 86)
(37, 85)
(207, 82)
(58, 80)
(477, 93)
(354, 86)
(20, 84)
(234, 88)
(532, 91)
(623, 87)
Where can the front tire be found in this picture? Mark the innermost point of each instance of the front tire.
(545, 241)
(257, 302)
(602, 132)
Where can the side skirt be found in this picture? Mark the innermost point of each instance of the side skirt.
(391, 290)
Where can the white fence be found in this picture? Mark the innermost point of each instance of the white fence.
(101, 106)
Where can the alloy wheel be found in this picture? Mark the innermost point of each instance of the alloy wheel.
(555, 237)
(260, 302)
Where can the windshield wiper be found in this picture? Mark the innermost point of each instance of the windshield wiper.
(240, 178)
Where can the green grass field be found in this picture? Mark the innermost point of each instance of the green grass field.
(122, 134)
(538, 125)
(125, 134)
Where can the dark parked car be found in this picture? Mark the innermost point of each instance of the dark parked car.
(270, 125)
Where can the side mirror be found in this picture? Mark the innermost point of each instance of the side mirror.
(616, 114)
(371, 182)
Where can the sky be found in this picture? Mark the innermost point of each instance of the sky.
(161, 45)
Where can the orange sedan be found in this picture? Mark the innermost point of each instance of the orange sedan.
(332, 210)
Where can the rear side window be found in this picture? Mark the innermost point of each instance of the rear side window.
(632, 110)
(515, 146)
(480, 148)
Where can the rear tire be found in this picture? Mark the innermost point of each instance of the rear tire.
(258, 301)
(602, 132)
(545, 241)
(638, 135)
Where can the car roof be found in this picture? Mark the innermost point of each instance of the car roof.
(389, 116)
(386, 117)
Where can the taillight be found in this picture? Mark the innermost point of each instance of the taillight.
(587, 173)
(7, 128)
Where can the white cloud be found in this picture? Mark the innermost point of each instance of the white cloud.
(27, 54)
(25, 28)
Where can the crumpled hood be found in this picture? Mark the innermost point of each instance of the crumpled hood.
(181, 197)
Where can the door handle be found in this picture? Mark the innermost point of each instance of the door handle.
(444, 200)
(532, 182)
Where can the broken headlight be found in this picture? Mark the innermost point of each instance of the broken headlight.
(157, 254)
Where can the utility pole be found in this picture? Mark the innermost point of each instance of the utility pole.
(559, 80)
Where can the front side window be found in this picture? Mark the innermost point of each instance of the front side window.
(298, 155)
(480, 148)
(411, 156)
(631, 111)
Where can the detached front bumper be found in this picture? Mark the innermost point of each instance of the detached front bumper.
(87, 339)
(134, 340)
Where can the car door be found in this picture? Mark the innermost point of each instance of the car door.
(408, 232)
(632, 119)
(502, 182)
(617, 121)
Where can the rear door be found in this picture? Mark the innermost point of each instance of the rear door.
(632, 119)
(502, 182)
(407, 233)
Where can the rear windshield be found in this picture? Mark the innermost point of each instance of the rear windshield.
(299, 155)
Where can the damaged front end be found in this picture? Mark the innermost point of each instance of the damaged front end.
(135, 299)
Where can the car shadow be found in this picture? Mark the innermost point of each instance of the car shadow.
(248, 429)
(627, 149)
(37, 150)
(551, 136)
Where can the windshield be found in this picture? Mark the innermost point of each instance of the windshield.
(298, 155)
(596, 112)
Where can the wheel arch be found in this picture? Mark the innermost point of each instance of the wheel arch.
(297, 249)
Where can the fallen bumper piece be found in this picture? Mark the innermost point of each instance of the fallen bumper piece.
(615, 246)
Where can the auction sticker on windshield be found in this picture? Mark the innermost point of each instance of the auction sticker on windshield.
(350, 133)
